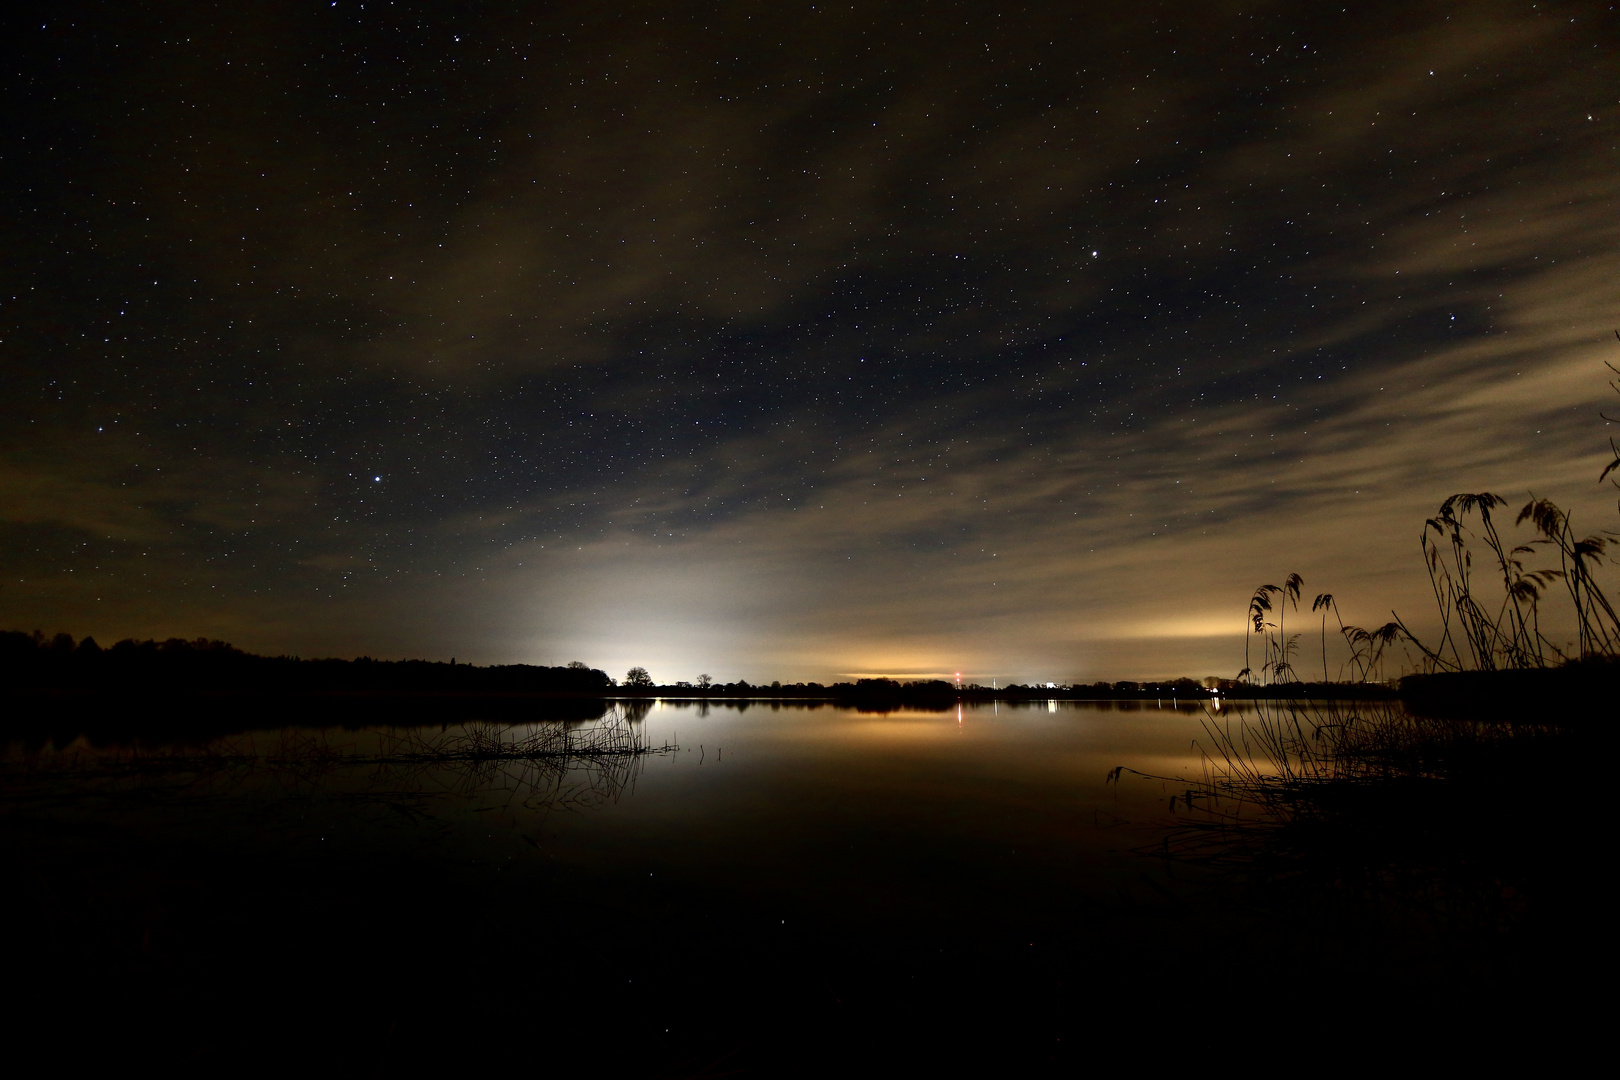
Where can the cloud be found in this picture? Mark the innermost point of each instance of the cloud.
(778, 342)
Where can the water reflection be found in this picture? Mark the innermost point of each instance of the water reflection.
(1401, 842)
(687, 860)
(415, 771)
(806, 771)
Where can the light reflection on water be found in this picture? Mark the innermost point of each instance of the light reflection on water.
(856, 807)
(983, 816)
(783, 860)
(798, 798)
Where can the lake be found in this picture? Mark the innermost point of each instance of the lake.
(773, 888)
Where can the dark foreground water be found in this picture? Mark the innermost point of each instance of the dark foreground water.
(792, 890)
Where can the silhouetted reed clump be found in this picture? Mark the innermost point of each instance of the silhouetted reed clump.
(1483, 630)
(1279, 650)
(1479, 632)
(1451, 836)
(1489, 607)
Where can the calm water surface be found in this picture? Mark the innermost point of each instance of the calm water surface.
(907, 809)
(787, 889)
(812, 810)
(777, 892)
(807, 798)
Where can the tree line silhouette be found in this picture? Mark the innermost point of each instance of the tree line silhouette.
(37, 663)
(34, 662)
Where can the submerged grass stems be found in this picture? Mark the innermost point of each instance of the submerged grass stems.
(1363, 832)
(144, 867)
(557, 764)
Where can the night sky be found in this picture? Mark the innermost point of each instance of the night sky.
(783, 340)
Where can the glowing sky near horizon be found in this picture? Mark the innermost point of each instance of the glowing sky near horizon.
(789, 341)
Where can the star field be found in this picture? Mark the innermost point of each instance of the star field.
(778, 341)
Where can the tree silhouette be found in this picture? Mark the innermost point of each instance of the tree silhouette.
(637, 677)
